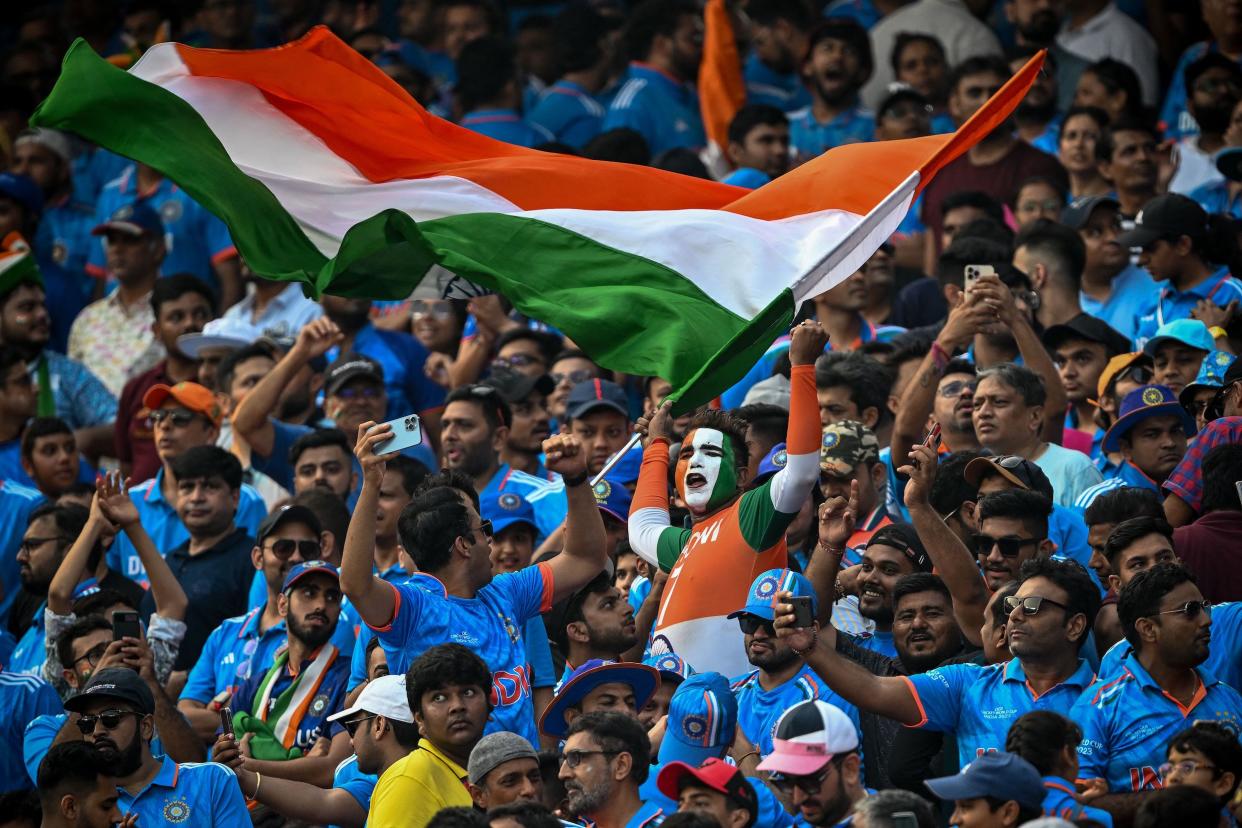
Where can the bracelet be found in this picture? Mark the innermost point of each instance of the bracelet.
(258, 783)
(840, 590)
(1217, 332)
(746, 756)
(803, 653)
(575, 481)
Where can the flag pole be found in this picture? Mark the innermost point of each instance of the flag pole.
(616, 458)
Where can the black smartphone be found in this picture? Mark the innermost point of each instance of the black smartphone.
(226, 721)
(905, 819)
(803, 617)
(125, 625)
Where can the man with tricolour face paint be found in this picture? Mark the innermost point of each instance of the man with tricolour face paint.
(734, 536)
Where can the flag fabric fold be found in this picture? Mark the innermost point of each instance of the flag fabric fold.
(327, 173)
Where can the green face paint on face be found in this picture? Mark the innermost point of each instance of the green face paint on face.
(707, 473)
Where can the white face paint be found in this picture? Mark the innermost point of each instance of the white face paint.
(699, 473)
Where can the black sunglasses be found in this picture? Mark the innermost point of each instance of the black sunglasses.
(1009, 547)
(285, 547)
(1031, 605)
(485, 527)
(178, 417)
(351, 726)
(811, 782)
(111, 720)
(750, 624)
(1190, 609)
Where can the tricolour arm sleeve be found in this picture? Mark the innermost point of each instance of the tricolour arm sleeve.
(649, 510)
(791, 486)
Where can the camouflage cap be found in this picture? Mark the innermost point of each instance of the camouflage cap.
(845, 444)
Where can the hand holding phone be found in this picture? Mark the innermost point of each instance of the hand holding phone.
(226, 721)
(125, 625)
(975, 272)
(803, 617)
(407, 432)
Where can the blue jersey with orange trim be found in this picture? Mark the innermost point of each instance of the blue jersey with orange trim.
(1222, 661)
(546, 497)
(758, 710)
(490, 624)
(205, 795)
(1128, 722)
(978, 704)
(1060, 801)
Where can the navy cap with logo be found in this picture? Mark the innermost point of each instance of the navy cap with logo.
(1141, 404)
(587, 396)
(1086, 327)
(903, 538)
(306, 568)
(1169, 216)
(1079, 211)
(292, 512)
(349, 367)
(515, 387)
(119, 683)
(1003, 776)
(136, 219)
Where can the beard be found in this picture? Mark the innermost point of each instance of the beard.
(1039, 112)
(881, 615)
(582, 803)
(773, 661)
(612, 640)
(1041, 29)
(124, 761)
(351, 318)
(1213, 119)
(312, 637)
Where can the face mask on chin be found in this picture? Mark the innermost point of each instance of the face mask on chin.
(707, 478)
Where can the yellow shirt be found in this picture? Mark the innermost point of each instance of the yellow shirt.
(410, 792)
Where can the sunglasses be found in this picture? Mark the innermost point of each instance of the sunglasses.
(1191, 610)
(955, 389)
(811, 783)
(367, 392)
(285, 547)
(1031, 605)
(1009, 547)
(436, 310)
(111, 720)
(516, 361)
(574, 377)
(178, 417)
(485, 527)
(750, 624)
(351, 726)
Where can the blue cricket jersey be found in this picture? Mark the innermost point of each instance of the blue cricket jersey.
(1060, 801)
(546, 497)
(31, 650)
(978, 704)
(1129, 292)
(1166, 303)
(506, 125)
(764, 85)
(758, 710)
(569, 112)
(809, 138)
(354, 782)
(24, 698)
(64, 237)
(662, 109)
(1222, 661)
(202, 794)
(16, 504)
(1128, 722)
(329, 696)
(410, 391)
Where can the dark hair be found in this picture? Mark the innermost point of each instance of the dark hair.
(320, 438)
(769, 421)
(202, 462)
(868, 380)
(1026, 813)
(95, 603)
(916, 582)
(329, 507)
(990, 230)
(484, 67)
(461, 816)
(692, 819)
(454, 479)
(407, 733)
(228, 366)
(22, 808)
(769, 12)
(852, 34)
(412, 472)
(968, 250)
(978, 65)
(1217, 741)
(1122, 504)
(880, 808)
(73, 766)
(9, 356)
(1026, 382)
(1040, 736)
(901, 94)
(1142, 596)
(617, 733)
(577, 32)
(981, 201)
(949, 489)
(1221, 468)
(682, 160)
(82, 627)
(625, 145)
(1032, 508)
(909, 347)
(751, 116)
(1211, 60)
(526, 814)
(1084, 595)
(70, 520)
(728, 424)
(429, 525)
(171, 288)
(41, 427)
(651, 19)
(905, 39)
(1105, 146)
(1183, 805)
(496, 411)
(1000, 615)
(1128, 531)
(1093, 112)
(1116, 76)
(1060, 248)
(443, 665)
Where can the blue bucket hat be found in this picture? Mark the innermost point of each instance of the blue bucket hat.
(1211, 374)
(642, 679)
(1139, 405)
(702, 721)
(762, 593)
(505, 508)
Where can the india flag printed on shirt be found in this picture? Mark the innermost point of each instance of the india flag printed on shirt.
(328, 173)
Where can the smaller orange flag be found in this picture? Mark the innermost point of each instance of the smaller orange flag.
(721, 88)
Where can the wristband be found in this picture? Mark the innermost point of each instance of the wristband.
(1217, 332)
(575, 481)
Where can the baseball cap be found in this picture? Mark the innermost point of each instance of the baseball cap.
(903, 538)
(596, 393)
(349, 367)
(642, 679)
(493, 750)
(136, 219)
(384, 696)
(772, 462)
(233, 334)
(612, 498)
(625, 470)
(55, 140)
(1076, 215)
(1141, 404)
(1085, 326)
(808, 735)
(1168, 216)
(190, 394)
(1211, 374)
(1189, 332)
(505, 508)
(844, 445)
(1017, 470)
(299, 571)
(23, 190)
(702, 720)
(515, 386)
(673, 668)
(1001, 775)
(289, 512)
(1117, 365)
(120, 683)
(774, 390)
(714, 774)
(762, 593)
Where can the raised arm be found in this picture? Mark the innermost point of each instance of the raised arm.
(791, 486)
(252, 420)
(112, 495)
(72, 567)
(952, 559)
(583, 556)
(649, 510)
(837, 517)
(375, 600)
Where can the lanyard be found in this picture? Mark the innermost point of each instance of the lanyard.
(1164, 294)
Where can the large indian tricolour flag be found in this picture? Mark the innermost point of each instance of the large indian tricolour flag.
(328, 173)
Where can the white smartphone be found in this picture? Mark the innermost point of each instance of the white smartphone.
(975, 272)
(407, 432)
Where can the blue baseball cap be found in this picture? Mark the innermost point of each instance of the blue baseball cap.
(672, 667)
(505, 508)
(23, 190)
(763, 589)
(309, 568)
(702, 721)
(1142, 403)
(612, 498)
(591, 394)
(137, 219)
(626, 469)
(643, 680)
(1002, 775)
(1189, 332)
(772, 462)
(1211, 374)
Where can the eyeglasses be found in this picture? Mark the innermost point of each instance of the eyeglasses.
(955, 389)
(92, 655)
(1009, 547)
(516, 361)
(436, 310)
(1031, 605)
(1210, 84)
(573, 758)
(811, 783)
(485, 527)
(1186, 767)
(178, 417)
(351, 726)
(285, 547)
(367, 392)
(1191, 610)
(111, 720)
(905, 110)
(574, 377)
(29, 545)
(750, 624)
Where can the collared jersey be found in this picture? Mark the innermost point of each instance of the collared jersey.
(660, 108)
(159, 519)
(546, 497)
(284, 316)
(1222, 660)
(328, 699)
(569, 112)
(202, 794)
(809, 137)
(416, 787)
(1060, 801)
(24, 698)
(490, 624)
(16, 504)
(764, 85)
(1127, 475)
(1128, 722)
(31, 649)
(758, 710)
(1129, 291)
(505, 125)
(978, 703)
(354, 782)
(1168, 303)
